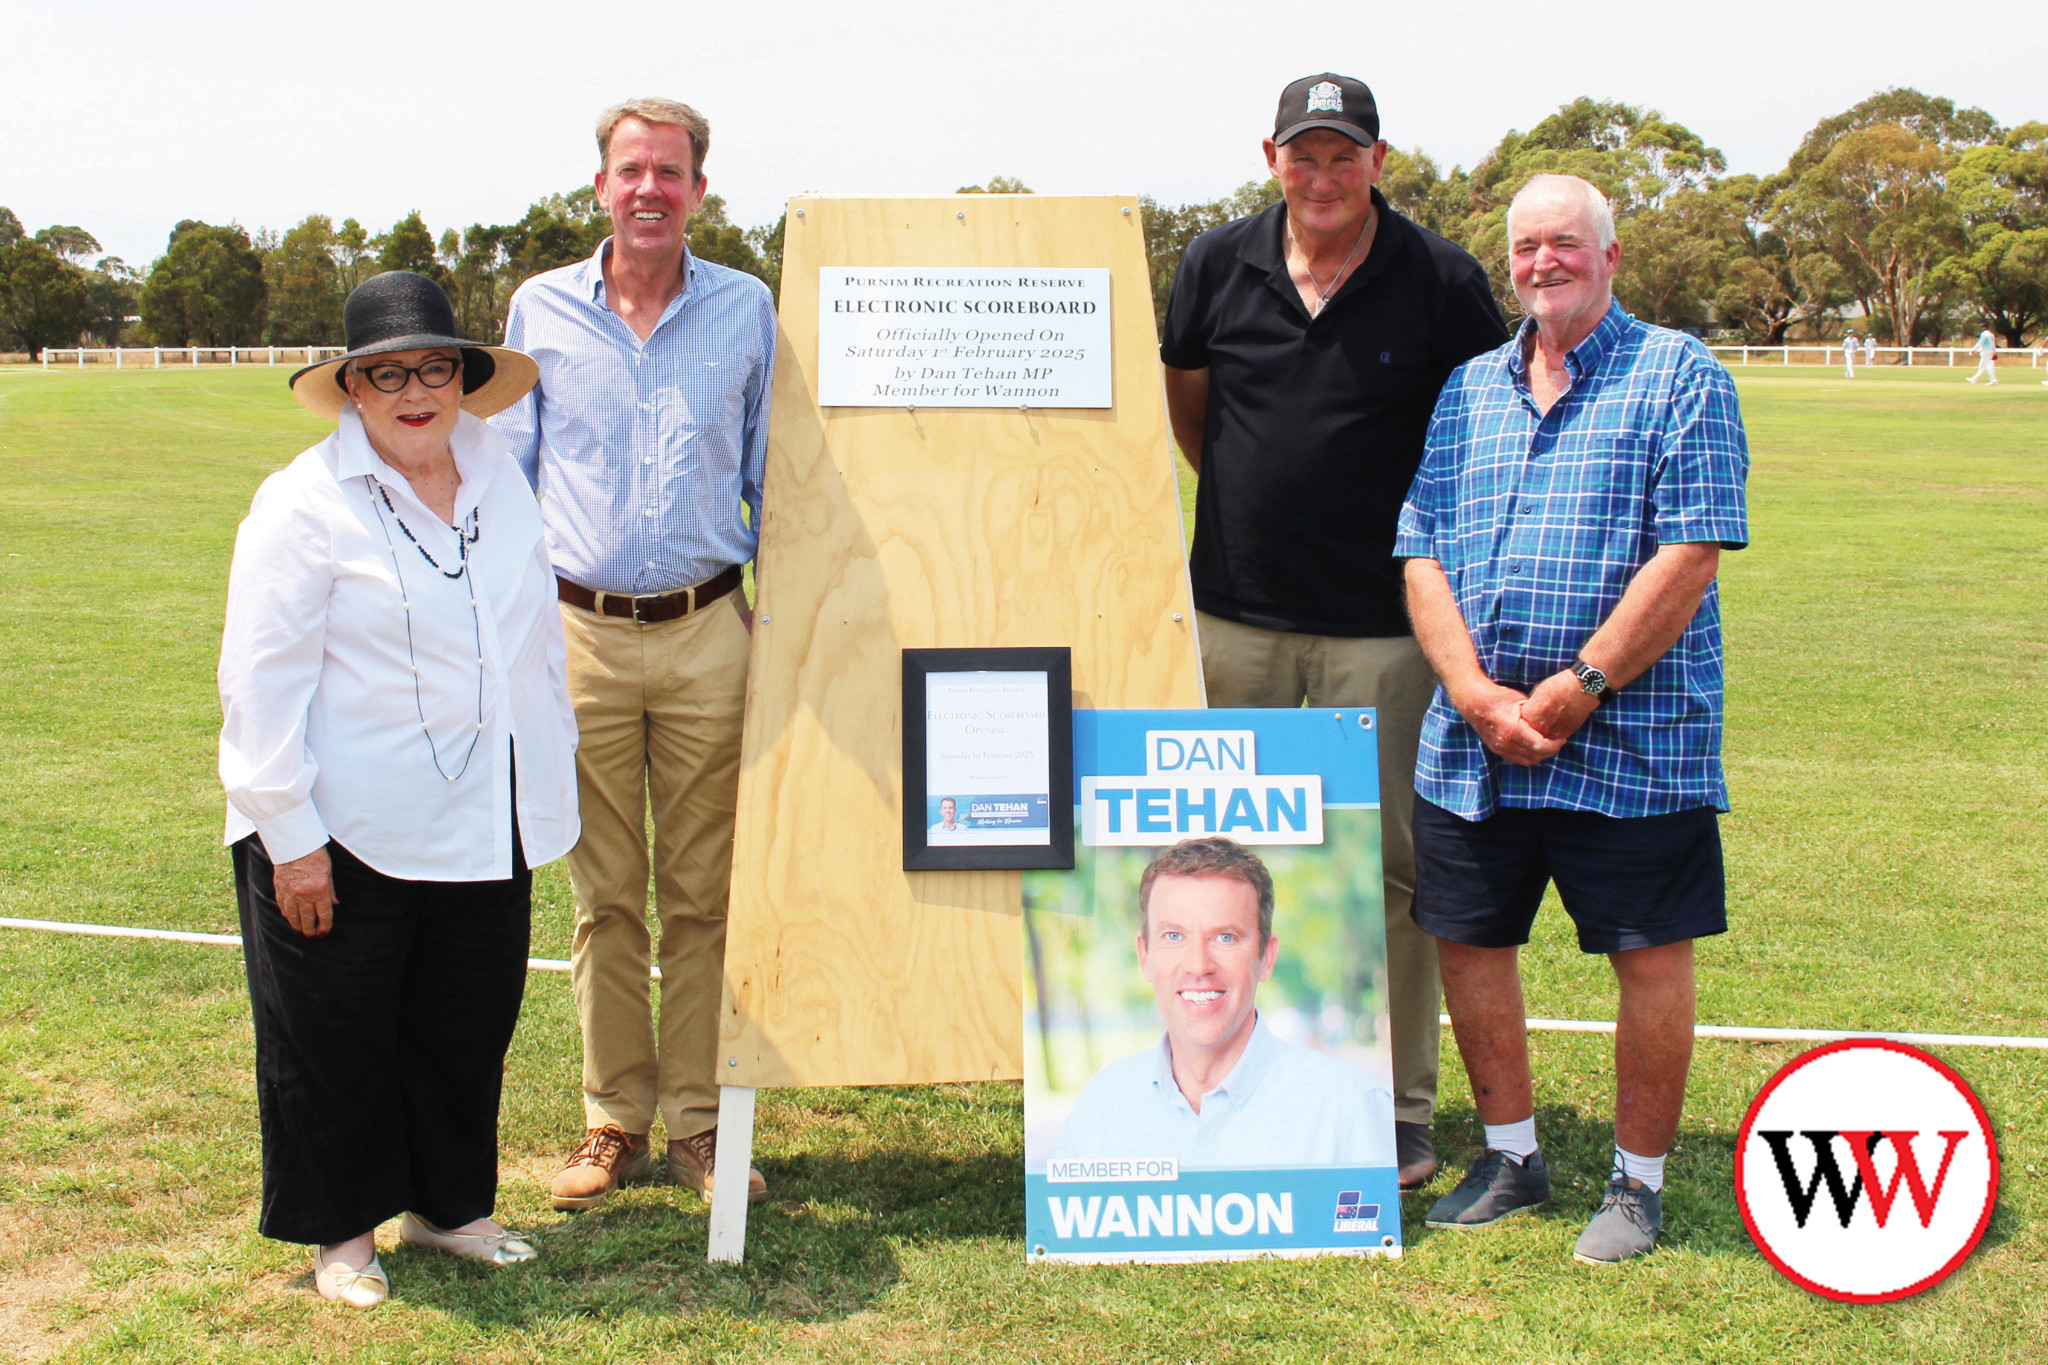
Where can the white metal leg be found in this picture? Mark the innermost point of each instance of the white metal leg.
(729, 1188)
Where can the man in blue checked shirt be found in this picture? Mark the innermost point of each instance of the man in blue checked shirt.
(645, 439)
(1562, 537)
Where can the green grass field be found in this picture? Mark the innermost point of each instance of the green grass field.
(1888, 755)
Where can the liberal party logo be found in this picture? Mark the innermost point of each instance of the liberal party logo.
(1353, 1216)
(1325, 98)
(1866, 1171)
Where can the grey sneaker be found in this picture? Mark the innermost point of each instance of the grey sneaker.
(1496, 1186)
(1630, 1217)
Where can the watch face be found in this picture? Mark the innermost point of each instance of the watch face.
(1591, 679)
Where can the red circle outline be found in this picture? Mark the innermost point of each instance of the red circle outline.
(1884, 1045)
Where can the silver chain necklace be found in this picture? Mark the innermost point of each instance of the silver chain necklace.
(1322, 294)
(464, 539)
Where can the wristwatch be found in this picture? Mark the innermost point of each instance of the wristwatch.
(1591, 680)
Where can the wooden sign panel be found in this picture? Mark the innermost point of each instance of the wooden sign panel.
(921, 526)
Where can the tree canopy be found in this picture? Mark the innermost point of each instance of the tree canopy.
(997, 184)
(1878, 205)
(44, 300)
(74, 244)
(1905, 215)
(302, 284)
(207, 289)
(1915, 217)
(1927, 116)
(409, 246)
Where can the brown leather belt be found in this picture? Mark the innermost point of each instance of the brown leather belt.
(666, 606)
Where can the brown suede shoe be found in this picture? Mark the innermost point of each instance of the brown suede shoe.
(690, 1161)
(609, 1157)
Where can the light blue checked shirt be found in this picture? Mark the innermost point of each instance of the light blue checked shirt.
(643, 453)
(1540, 522)
(1281, 1105)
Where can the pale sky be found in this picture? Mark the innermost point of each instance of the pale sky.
(126, 117)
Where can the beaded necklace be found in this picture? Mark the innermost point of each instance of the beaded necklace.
(465, 536)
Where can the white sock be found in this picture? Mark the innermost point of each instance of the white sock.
(1648, 1169)
(1518, 1140)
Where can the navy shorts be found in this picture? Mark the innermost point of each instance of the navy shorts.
(1627, 883)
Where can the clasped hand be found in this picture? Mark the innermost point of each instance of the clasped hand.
(1527, 729)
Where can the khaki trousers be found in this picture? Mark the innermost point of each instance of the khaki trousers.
(1246, 666)
(658, 711)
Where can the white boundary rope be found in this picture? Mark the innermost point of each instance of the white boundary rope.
(52, 926)
(1730, 1033)
(1721, 1031)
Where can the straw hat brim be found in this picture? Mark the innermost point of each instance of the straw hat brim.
(322, 388)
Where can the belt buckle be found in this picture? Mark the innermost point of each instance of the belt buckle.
(689, 604)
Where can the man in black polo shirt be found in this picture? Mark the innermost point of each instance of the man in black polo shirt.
(1304, 349)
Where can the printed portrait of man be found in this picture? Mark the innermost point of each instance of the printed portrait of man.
(950, 828)
(1221, 1091)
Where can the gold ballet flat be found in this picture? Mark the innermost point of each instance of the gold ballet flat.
(365, 1288)
(498, 1248)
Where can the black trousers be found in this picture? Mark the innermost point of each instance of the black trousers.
(380, 1048)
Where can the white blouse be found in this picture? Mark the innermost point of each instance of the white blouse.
(369, 698)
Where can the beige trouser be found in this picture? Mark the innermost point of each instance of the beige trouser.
(1246, 666)
(658, 711)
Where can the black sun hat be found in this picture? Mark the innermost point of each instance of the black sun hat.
(401, 311)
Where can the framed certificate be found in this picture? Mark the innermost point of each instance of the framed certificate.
(988, 758)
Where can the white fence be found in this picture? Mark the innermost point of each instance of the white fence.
(155, 357)
(1884, 355)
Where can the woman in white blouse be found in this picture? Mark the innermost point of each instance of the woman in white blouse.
(398, 751)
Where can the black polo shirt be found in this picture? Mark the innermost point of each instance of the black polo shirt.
(1315, 425)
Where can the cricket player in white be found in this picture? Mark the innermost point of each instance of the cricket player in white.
(1849, 354)
(1987, 357)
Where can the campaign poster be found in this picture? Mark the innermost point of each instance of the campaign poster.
(1207, 1068)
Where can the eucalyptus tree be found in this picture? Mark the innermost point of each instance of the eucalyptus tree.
(409, 246)
(1652, 169)
(206, 289)
(74, 244)
(1766, 273)
(44, 299)
(111, 287)
(2001, 191)
(1879, 204)
(302, 276)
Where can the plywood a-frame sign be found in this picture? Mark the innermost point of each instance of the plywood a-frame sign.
(888, 529)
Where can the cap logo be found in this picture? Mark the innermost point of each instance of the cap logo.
(1325, 98)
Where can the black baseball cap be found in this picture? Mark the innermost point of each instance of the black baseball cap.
(1339, 103)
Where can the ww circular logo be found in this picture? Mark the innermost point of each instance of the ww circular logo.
(1866, 1170)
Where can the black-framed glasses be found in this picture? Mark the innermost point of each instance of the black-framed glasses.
(388, 376)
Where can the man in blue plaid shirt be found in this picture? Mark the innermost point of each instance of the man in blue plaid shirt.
(1561, 539)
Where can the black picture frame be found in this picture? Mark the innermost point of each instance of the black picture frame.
(1057, 665)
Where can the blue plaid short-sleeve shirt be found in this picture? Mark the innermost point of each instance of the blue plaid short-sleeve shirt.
(1540, 521)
